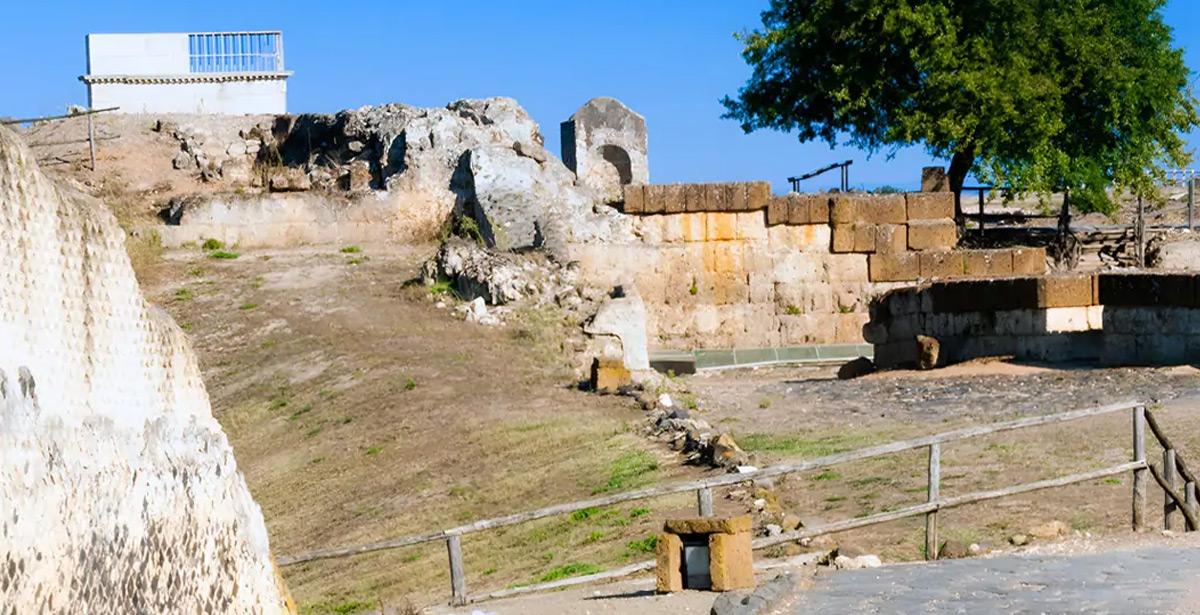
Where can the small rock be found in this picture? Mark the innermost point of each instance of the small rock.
(1050, 530)
(1018, 540)
(928, 350)
(953, 549)
(774, 530)
(679, 414)
(745, 470)
(664, 400)
(791, 522)
(856, 369)
(975, 548)
(843, 562)
(760, 504)
(237, 148)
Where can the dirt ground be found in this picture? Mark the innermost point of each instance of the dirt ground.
(790, 413)
(359, 411)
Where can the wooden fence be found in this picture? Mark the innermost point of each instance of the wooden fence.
(91, 139)
(1168, 477)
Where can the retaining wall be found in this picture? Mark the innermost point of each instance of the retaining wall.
(1115, 318)
(729, 265)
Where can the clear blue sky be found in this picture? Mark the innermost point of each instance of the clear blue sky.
(671, 60)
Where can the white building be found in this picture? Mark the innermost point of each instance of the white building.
(205, 72)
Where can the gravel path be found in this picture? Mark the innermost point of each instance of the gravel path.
(1159, 579)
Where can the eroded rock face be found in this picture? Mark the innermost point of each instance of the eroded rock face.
(119, 492)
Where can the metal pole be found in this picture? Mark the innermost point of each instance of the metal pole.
(704, 501)
(92, 140)
(1139, 476)
(935, 479)
(1191, 201)
(1169, 474)
(458, 580)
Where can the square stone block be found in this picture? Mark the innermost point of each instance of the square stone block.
(987, 263)
(757, 195)
(932, 235)
(735, 196)
(654, 199)
(864, 237)
(778, 210)
(709, 525)
(930, 205)
(941, 265)
(609, 375)
(843, 238)
(693, 198)
(883, 209)
(1029, 261)
(818, 209)
(799, 209)
(891, 238)
(718, 196)
(673, 199)
(1061, 291)
(843, 210)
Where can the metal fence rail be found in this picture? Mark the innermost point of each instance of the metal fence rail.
(1183, 502)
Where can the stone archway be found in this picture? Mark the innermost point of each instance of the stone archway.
(619, 159)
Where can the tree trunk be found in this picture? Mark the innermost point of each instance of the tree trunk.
(960, 166)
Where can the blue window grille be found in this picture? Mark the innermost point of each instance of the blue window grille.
(236, 52)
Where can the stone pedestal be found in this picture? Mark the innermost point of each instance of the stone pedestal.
(730, 556)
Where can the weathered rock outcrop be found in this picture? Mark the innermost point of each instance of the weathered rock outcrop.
(119, 492)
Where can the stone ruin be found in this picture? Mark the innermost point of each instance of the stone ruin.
(605, 144)
(119, 492)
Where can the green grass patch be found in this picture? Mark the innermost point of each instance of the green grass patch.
(301, 412)
(804, 446)
(410, 384)
(828, 475)
(585, 514)
(245, 307)
(212, 244)
(645, 545)
(223, 255)
(351, 250)
(638, 512)
(566, 571)
(374, 450)
(184, 294)
(196, 272)
(630, 470)
(442, 287)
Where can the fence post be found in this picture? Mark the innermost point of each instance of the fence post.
(458, 580)
(1191, 200)
(1169, 475)
(704, 503)
(1189, 494)
(91, 140)
(935, 479)
(1139, 475)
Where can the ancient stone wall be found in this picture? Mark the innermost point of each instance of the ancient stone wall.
(729, 265)
(119, 492)
(1115, 318)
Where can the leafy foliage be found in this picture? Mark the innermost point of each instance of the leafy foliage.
(1042, 95)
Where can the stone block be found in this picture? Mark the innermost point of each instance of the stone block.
(864, 237)
(804, 238)
(720, 226)
(930, 205)
(898, 267)
(1066, 319)
(635, 199)
(843, 238)
(932, 235)
(846, 268)
(694, 198)
(778, 210)
(735, 197)
(709, 525)
(987, 263)
(757, 195)
(609, 375)
(799, 209)
(654, 199)
(818, 209)
(752, 225)
(883, 209)
(1029, 261)
(849, 328)
(731, 561)
(843, 210)
(1062, 291)
(1153, 289)
(891, 238)
(941, 265)
(718, 197)
(674, 199)
(669, 563)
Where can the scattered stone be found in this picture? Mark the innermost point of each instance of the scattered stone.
(183, 161)
(953, 549)
(761, 600)
(1018, 540)
(289, 179)
(928, 349)
(760, 504)
(609, 375)
(745, 469)
(726, 452)
(857, 368)
(843, 562)
(664, 401)
(1050, 530)
(975, 549)
(774, 529)
(477, 312)
(623, 316)
(791, 523)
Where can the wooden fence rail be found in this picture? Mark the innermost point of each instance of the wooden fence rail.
(1184, 501)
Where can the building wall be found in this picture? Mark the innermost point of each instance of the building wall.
(137, 54)
(263, 96)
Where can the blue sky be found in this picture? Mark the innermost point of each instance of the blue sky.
(670, 60)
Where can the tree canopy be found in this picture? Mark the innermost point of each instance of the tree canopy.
(1041, 95)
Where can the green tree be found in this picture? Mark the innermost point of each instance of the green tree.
(1043, 95)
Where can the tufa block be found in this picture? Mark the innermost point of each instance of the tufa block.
(635, 199)
(932, 235)
(799, 209)
(864, 238)
(609, 375)
(842, 239)
(898, 267)
(693, 198)
(941, 265)
(669, 564)
(1029, 261)
(718, 197)
(987, 263)
(778, 210)
(1065, 291)
(730, 561)
(673, 199)
(818, 209)
(757, 195)
(891, 238)
(930, 205)
(709, 525)
(735, 196)
(883, 209)
(652, 199)
(843, 210)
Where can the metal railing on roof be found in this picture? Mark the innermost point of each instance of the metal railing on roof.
(235, 52)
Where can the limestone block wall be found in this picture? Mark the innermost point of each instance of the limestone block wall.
(119, 492)
(1116, 318)
(729, 265)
